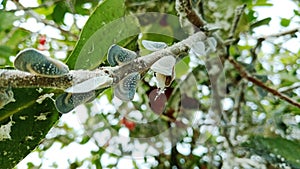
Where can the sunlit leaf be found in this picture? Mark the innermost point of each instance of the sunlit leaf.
(4, 3)
(296, 12)
(285, 22)
(6, 20)
(262, 3)
(5, 52)
(17, 37)
(101, 31)
(276, 150)
(59, 12)
(261, 22)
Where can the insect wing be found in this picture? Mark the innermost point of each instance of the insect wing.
(154, 46)
(164, 65)
(212, 43)
(125, 89)
(32, 61)
(66, 102)
(118, 55)
(199, 48)
(161, 80)
(90, 85)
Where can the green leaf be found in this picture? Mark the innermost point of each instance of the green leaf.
(6, 20)
(285, 22)
(182, 67)
(104, 28)
(17, 37)
(262, 93)
(5, 51)
(247, 66)
(29, 122)
(79, 6)
(59, 12)
(274, 150)
(296, 12)
(4, 3)
(263, 78)
(259, 23)
(263, 3)
(45, 11)
(251, 15)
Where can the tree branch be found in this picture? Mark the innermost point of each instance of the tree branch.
(185, 9)
(259, 83)
(237, 16)
(19, 79)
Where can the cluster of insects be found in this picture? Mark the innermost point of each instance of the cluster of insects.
(34, 62)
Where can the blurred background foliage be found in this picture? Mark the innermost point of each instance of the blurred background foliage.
(254, 129)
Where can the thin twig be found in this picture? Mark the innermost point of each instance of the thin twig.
(289, 88)
(253, 50)
(259, 83)
(287, 32)
(260, 40)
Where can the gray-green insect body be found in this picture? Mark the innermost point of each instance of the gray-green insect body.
(32, 61)
(118, 55)
(66, 102)
(154, 46)
(125, 89)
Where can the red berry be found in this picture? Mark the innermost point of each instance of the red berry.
(42, 40)
(129, 124)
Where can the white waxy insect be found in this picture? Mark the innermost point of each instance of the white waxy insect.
(32, 61)
(126, 87)
(165, 65)
(66, 102)
(6, 96)
(203, 48)
(153, 46)
(164, 71)
(199, 48)
(212, 43)
(90, 85)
